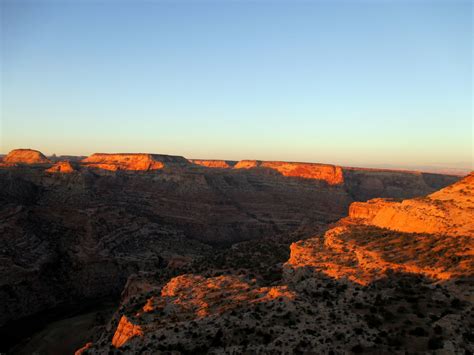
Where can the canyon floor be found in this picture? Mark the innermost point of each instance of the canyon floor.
(211, 256)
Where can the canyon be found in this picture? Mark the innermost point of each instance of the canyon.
(356, 288)
(212, 256)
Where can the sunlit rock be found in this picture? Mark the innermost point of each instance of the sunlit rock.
(330, 173)
(26, 156)
(64, 167)
(125, 331)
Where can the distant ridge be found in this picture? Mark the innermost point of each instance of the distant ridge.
(26, 156)
(132, 161)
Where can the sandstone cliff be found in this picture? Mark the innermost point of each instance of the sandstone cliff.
(359, 250)
(449, 211)
(26, 156)
(329, 173)
(135, 161)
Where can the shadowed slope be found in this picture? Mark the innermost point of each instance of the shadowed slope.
(223, 164)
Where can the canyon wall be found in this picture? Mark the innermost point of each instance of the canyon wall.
(135, 161)
(328, 173)
(449, 211)
(377, 237)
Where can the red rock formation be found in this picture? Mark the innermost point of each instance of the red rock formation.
(449, 211)
(189, 297)
(115, 162)
(223, 164)
(360, 251)
(330, 173)
(26, 156)
(368, 210)
(64, 167)
(125, 331)
(193, 296)
(362, 255)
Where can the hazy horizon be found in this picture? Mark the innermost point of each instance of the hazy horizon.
(357, 84)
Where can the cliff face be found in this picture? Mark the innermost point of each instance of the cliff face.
(135, 162)
(368, 210)
(449, 211)
(329, 173)
(360, 251)
(361, 183)
(26, 156)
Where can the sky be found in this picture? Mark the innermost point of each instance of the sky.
(360, 83)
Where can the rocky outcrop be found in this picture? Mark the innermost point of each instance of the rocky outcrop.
(360, 251)
(368, 210)
(25, 156)
(222, 164)
(230, 313)
(364, 254)
(64, 167)
(329, 173)
(135, 161)
(449, 211)
(193, 296)
(125, 331)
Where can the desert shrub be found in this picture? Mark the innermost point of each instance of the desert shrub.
(435, 343)
(357, 349)
(418, 331)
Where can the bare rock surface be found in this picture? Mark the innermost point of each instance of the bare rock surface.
(328, 173)
(128, 161)
(449, 211)
(26, 156)
(64, 167)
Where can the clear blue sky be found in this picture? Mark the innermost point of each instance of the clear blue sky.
(349, 82)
